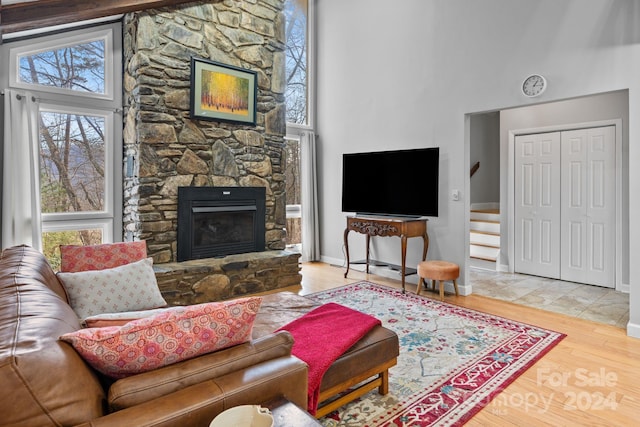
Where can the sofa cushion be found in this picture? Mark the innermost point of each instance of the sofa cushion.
(137, 389)
(169, 337)
(76, 258)
(125, 288)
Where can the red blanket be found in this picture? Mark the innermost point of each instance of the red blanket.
(324, 334)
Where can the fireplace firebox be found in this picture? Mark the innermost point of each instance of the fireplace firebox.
(220, 221)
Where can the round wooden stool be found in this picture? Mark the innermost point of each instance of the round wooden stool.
(440, 271)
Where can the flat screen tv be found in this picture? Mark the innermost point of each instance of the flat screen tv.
(393, 183)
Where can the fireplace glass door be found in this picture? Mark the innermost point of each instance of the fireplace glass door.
(223, 229)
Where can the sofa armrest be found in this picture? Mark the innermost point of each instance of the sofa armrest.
(198, 404)
(143, 387)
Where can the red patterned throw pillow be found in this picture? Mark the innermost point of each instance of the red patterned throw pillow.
(172, 336)
(99, 257)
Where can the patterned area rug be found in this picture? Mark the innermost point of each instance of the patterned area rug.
(452, 362)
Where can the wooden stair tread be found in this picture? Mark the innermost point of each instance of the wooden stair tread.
(488, 233)
(486, 220)
(485, 245)
(490, 211)
(485, 258)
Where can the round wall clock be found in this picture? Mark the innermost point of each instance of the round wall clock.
(534, 85)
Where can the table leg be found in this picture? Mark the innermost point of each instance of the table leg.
(368, 240)
(403, 239)
(346, 249)
(425, 246)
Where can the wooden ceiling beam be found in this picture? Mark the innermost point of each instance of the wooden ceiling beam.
(45, 13)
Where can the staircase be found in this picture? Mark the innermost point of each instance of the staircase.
(484, 237)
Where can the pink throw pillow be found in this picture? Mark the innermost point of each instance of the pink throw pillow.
(172, 336)
(99, 257)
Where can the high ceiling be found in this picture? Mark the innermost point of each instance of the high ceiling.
(22, 15)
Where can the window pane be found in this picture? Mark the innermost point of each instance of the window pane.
(51, 241)
(78, 68)
(292, 171)
(292, 184)
(72, 160)
(296, 13)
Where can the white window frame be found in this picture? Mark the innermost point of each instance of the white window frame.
(109, 180)
(107, 105)
(293, 211)
(105, 225)
(294, 129)
(60, 41)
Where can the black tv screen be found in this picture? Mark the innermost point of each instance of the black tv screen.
(400, 182)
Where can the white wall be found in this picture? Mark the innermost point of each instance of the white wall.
(406, 74)
(485, 148)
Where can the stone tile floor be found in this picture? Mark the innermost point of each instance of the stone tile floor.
(588, 302)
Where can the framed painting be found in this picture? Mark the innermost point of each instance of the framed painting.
(222, 92)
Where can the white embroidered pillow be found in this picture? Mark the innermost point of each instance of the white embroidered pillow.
(114, 290)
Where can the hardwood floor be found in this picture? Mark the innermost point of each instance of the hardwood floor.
(591, 378)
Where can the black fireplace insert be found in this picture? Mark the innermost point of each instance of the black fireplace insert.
(220, 221)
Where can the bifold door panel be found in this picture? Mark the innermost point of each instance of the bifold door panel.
(537, 213)
(565, 205)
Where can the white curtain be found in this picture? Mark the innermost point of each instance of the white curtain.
(20, 172)
(309, 198)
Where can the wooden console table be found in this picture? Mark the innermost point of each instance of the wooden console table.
(393, 226)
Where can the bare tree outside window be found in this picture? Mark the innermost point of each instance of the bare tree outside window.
(71, 142)
(292, 183)
(296, 13)
(78, 68)
(71, 162)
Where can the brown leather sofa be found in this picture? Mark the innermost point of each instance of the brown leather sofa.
(44, 382)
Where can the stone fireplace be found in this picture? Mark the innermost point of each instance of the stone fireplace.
(166, 149)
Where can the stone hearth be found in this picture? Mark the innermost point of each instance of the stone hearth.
(215, 279)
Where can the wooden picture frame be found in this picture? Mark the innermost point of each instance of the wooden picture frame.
(222, 92)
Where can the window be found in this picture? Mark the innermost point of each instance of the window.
(75, 79)
(78, 65)
(299, 99)
(72, 159)
(292, 182)
(297, 63)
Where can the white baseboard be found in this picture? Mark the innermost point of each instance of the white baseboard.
(333, 261)
(623, 287)
(503, 268)
(633, 330)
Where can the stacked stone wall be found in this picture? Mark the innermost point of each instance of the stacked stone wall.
(165, 148)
